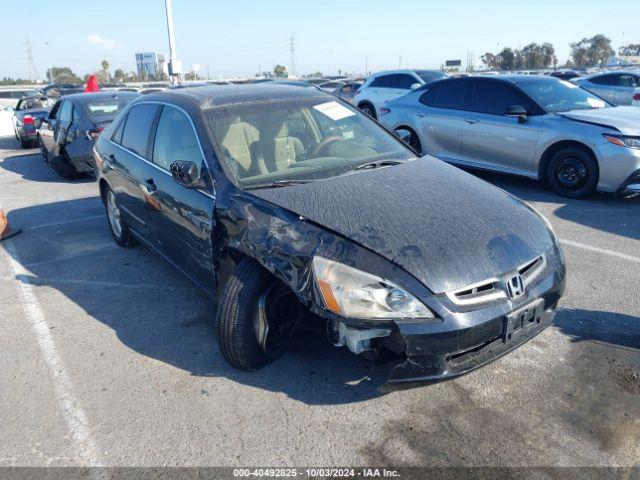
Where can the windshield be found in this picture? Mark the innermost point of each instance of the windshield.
(561, 96)
(298, 139)
(430, 76)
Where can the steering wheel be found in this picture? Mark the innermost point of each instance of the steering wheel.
(324, 144)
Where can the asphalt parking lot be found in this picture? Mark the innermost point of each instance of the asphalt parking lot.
(106, 363)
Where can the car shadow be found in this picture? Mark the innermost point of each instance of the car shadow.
(604, 212)
(23, 165)
(157, 312)
(609, 328)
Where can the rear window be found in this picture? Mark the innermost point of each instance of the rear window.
(429, 76)
(110, 107)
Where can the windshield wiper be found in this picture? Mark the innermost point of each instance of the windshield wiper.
(377, 163)
(277, 184)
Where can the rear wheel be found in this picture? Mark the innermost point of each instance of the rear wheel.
(63, 167)
(43, 149)
(119, 229)
(255, 317)
(572, 172)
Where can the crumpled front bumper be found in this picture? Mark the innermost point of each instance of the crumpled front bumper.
(440, 366)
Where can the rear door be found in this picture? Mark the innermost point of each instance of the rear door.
(439, 118)
(179, 218)
(62, 125)
(126, 163)
(604, 86)
(490, 139)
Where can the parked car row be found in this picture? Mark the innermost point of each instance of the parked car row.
(283, 203)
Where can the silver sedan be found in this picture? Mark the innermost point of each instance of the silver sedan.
(616, 87)
(538, 127)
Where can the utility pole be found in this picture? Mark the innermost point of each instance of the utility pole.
(33, 73)
(292, 50)
(400, 62)
(175, 66)
(366, 66)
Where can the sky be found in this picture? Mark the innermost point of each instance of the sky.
(235, 38)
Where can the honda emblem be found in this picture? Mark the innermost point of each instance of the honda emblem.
(515, 287)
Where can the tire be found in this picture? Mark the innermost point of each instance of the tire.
(368, 109)
(572, 172)
(119, 229)
(63, 167)
(238, 308)
(43, 150)
(414, 140)
(24, 143)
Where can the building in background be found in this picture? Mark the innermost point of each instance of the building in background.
(152, 66)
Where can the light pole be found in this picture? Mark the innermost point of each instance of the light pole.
(46, 44)
(175, 67)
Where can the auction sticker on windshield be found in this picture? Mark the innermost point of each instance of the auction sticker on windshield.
(334, 110)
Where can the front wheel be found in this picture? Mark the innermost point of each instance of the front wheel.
(119, 229)
(255, 317)
(368, 110)
(572, 172)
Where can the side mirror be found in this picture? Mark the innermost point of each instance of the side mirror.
(415, 86)
(185, 173)
(37, 123)
(404, 135)
(517, 111)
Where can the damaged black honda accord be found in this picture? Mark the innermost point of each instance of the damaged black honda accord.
(295, 210)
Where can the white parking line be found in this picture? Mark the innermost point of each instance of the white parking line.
(69, 405)
(611, 253)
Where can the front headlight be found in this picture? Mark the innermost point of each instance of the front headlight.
(623, 140)
(353, 293)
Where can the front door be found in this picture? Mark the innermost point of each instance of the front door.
(490, 139)
(179, 218)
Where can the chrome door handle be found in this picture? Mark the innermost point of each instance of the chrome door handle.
(422, 115)
(471, 120)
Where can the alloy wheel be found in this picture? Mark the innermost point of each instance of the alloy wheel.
(113, 212)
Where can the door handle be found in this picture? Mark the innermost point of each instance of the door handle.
(149, 187)
(471, 120)
(422, 115)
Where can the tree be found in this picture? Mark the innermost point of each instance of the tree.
(119, 75)
(538, 56)
(280, 71)
(63, 75)
(590, 52)
(491, 61)
(105, 68)
(507, 59)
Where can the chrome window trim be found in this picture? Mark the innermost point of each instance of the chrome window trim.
(156, 166)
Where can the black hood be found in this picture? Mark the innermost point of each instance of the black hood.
(442, 225)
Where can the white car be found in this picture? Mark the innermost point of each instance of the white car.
(381, 87)
(11, 96)
(636, 97)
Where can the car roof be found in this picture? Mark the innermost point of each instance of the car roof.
(88, 96)
(216, 95)
(608, 72)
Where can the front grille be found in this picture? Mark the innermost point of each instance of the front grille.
(495, 288)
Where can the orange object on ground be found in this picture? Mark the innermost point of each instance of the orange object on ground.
(92, 85)
(5, 230)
